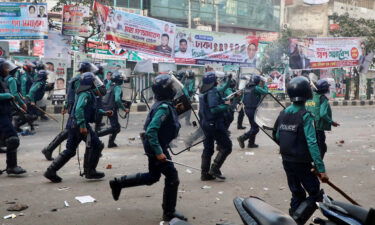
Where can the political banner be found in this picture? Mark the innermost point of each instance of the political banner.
(102, 13)
(23, 21)
(203, 47)
(4, 49)
(57, 69)
(321, 53)
(276, 82)
(75, 20)
(57, 46)
(38, 48)
(79, 57)
(140, 33)
(114, 66)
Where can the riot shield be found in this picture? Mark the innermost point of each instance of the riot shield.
(266, 114)
(191, 134)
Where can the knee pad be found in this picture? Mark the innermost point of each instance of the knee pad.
(12, 143)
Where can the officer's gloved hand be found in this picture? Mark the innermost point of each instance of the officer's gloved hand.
(335, 124)
(323, 177)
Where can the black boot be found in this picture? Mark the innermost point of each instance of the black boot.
(240, 127)
(169, 202)
(111, 141)
(205, 166)
(123, 182)
(98, 123)
(57, 163)
(218, 162)
(241, 141)
(47, 151)
(12, 167)
(251, 143)
(92, 156)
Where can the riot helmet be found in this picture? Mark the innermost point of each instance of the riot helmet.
(322, 86)
(254, 80)
(117, 78)
(180, 75)
(299, 89)
(28, 66)
(89, 81)
(85, 66)
(165, 87)
(42, 75)
(209, 81)
(39, 65)
(6, 67)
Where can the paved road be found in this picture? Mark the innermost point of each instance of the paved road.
(351, 166)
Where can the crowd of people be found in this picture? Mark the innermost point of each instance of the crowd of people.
(89, 98)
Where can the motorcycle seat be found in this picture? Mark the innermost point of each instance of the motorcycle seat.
(354, 211)
(265, 214)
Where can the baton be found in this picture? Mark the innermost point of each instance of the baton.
(338, 189)
(62, 128)
(47, 114)
(181, 164)
(342, 193)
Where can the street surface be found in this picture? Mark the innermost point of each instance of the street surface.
(350, 165)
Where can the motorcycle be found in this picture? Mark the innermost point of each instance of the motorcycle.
(254, 211)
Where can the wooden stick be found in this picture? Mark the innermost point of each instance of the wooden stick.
(47, 114)
(342, 193)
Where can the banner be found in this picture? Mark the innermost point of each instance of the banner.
(114, 66)
(79, 57)
(38, 48)
(320, 53)
(203, 47)
(74, 21)
(144, 34)
(57, 46)
(276, 82)
(23, 21)
(315, 2)
(102, 13)
(57, 69)
(4, 49)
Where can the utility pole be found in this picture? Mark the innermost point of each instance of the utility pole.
(217, 17)
(189, 14)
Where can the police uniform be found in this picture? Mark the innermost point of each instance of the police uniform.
(73, 86)
(320, 108)
(83, 113)
(113, 101)
(296, 136)
(189, 91)
(161, 127)
(99, 100)
(8, 135)
(251, 100)
(212, 111)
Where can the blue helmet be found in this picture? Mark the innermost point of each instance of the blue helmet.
(42, 75)
(322, 86)
(209, 81)
(163, 87)
(254, 80)
(117, 78)
(39, 65)
(85, 66)
(180, 75)
(89, 81)
(6, 67)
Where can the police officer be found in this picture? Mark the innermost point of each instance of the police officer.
(27, 78)
(37, 90)
(298, 147)
(98, 123)
(212, 110)
(113, 101)
(82, 113)
(161, 127)
(8, 97)
(73, 86)
(251, 99)
(320, 108)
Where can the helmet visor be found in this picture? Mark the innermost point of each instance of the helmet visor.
(98, 82)
(9, 66)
